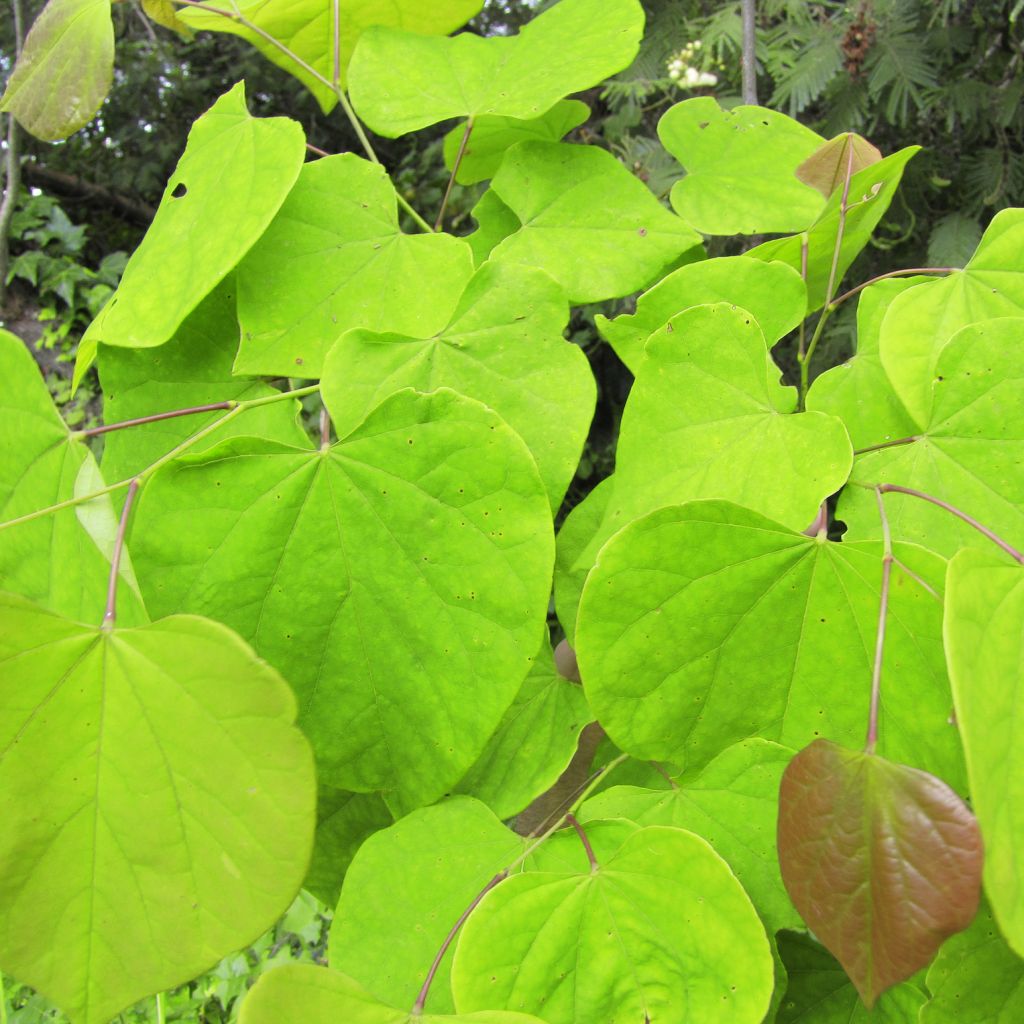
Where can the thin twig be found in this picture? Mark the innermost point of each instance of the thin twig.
(953, 510)
(571, 820)
(317, 150)
(110, 615)
(908, 272)
(12, 176)
(883, 608)
(155, 418)
(887, 444)
(455, 170)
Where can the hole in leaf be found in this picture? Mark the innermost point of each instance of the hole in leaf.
(180, 190)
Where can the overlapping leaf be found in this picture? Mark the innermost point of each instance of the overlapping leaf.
(826, 169)
(984, 631)
(334, 259)
(733, 804)
(740, 168)
(882, 861)
(495, 222)
(968, 452)
(400, 578)
(64, 72)
(661, 930)
(492, 136)
(443, 857)
(230, 182)
(323, 33)
(729, 438)
(158, 804)
(503, 347)
(586, 221)
(819, 992)
(193, 368)
(534, 743)
(569, 48)
(61, 561)
(304, 994)
(919, 324)
(975, 979)
(871, 192)
(772, 292)
(859, 391)
(706, 624)
(344, 822)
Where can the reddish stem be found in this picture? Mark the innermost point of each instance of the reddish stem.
(908, 272)
(571, 819)
(421, 999)
(155, 418)
(953, 510)
(887, 444)
(110, 615)
(455, 170)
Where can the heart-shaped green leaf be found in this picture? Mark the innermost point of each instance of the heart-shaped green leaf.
(883, 861)
(920, 323)
(235, 173)
(323, 33)
(503, 347)
(334, 259)
(586, 221)
(158, 804)
(969, 452)
(661, 930)
(984, 632)
(740, 168)
(443, 857)
(400, 578)
(64, 72)
(705, 624)
(570, 47)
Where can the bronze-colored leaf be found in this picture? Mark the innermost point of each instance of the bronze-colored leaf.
(826, 168)
(882, 861)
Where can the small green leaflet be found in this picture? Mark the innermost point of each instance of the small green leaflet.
(344, 822)
(984, 631)
(706, 624)
(731, 439)
(323, 33)
(400, 579)
(158, 804)
(230, 182)
(659, 931)
(193, 368)
(733, 804)
(919, 324)
(503, 347)
(740, 168)
(401, 81)
(65, 69)
(442, 857)
(61, 561)
(871, 192)
(882, 861)
(772, 292)
(586, 221)
(969, 452)
(975, 979)
(534, 742)
(859, 391)
(304, 994)
(335, 259)
(819, 992)
(492, 136)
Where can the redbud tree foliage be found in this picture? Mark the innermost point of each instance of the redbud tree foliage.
(236, 662)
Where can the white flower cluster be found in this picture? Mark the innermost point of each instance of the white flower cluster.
(682, 71)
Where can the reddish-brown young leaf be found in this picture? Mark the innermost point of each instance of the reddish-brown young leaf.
(826, 168)
(882, 861)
